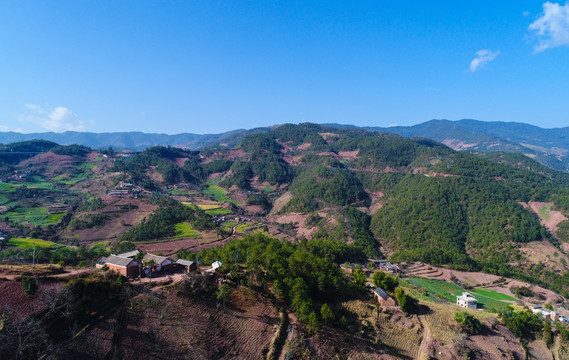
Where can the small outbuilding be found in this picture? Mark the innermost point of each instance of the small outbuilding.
(383, 298)
(189, 266)
(161, 263)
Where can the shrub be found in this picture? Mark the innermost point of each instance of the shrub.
(29, 285)
(468, 323)
(407, 303)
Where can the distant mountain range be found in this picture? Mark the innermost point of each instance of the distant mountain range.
(548, 146)
(134, 140)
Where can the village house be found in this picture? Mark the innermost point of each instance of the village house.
(544, 313)
(161, 263)
(388, 267)
(214, 266)
(466, 301)
(350, 268)
(189, 266)
(383, 298)
(128, 267)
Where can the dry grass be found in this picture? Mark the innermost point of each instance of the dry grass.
(404, 340)
(281, 202)
(440, 320)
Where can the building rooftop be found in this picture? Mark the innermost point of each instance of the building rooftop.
(157, 258)
(381, 293)
(118, 261)
(129, 254)
(185, 262)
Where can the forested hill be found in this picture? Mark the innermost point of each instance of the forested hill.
(426, 201)
(406, 198)
(548, 146)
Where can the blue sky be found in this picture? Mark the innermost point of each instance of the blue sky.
(213, 66)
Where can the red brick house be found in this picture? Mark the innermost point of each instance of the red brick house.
(125, 266)
(383, 298)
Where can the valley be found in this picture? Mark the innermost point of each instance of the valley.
(282, 210)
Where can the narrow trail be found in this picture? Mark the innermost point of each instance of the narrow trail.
(427, 337)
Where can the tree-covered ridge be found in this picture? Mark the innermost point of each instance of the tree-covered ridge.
(303, 275)
(338, 186)
(160, 224)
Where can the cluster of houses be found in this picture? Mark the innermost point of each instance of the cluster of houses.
(222, 218)
(125, 189)
(548, 314)
(381, 265)
(131, 264)
(386, 266)
(182, 186)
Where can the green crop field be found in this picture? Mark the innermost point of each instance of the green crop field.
(189, 204)
(101, 244)
(228, 225)
(492, 294)
(242, 227)
(215, 191)
(6, 187)
(184, 230)
(28, 243)
(218, 194)
(219, 211)
(491, 299)
(36, 216)
(437, 290)
(54, 218)
(70, 179)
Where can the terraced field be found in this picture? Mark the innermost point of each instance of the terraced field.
(36, 216)
(184, 230)
(28, 243)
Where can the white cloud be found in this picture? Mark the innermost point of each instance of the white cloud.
(552, 28)
(56, 119)
(482, 58)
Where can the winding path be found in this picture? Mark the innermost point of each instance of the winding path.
(427, 338)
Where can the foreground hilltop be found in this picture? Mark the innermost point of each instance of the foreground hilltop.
(352, 194)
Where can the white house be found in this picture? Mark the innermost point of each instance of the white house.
(466, 301)
(214, 266)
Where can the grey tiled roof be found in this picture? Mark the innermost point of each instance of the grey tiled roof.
(157, 259)
(185, 262)
(381, 293)
(129, 254)
(118, 261)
